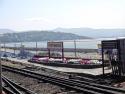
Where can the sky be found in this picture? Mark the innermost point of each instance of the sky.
(50, 14)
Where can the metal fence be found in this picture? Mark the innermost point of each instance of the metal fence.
(72, 48)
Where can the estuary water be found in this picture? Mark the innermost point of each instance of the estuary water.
(85, 43)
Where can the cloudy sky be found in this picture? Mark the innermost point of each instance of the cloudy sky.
(50, 14)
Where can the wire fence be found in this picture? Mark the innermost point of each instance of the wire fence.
(72, 48)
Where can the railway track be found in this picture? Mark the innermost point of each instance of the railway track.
(81, 86)
(11, 87)
(107, 80)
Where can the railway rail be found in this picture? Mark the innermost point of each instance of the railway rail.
(11, 87)
(80, 86)
(108, 79)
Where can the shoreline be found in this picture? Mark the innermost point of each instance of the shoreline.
(46, 49)
(82, 53)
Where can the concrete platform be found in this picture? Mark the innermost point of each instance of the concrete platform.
(96, 71)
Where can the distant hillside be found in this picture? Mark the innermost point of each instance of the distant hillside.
(2, 31)
(94, 33)
(33, 36)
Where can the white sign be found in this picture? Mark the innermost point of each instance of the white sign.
(55, 45)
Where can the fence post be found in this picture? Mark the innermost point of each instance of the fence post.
(5, 47)
(75, 48)
(14, 48)
(36, 48)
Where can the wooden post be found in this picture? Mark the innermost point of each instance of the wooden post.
(36, 48)
(75, 48)
(62, 51)
(14, 49)
(4, 47)
(103, 60)
(5, 50)
(49, 52)
(21, 44)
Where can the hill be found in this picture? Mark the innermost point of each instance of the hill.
(2, 31)
(33, 36)
(94, 33)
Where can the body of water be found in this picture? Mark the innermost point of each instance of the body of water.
(87, 44)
